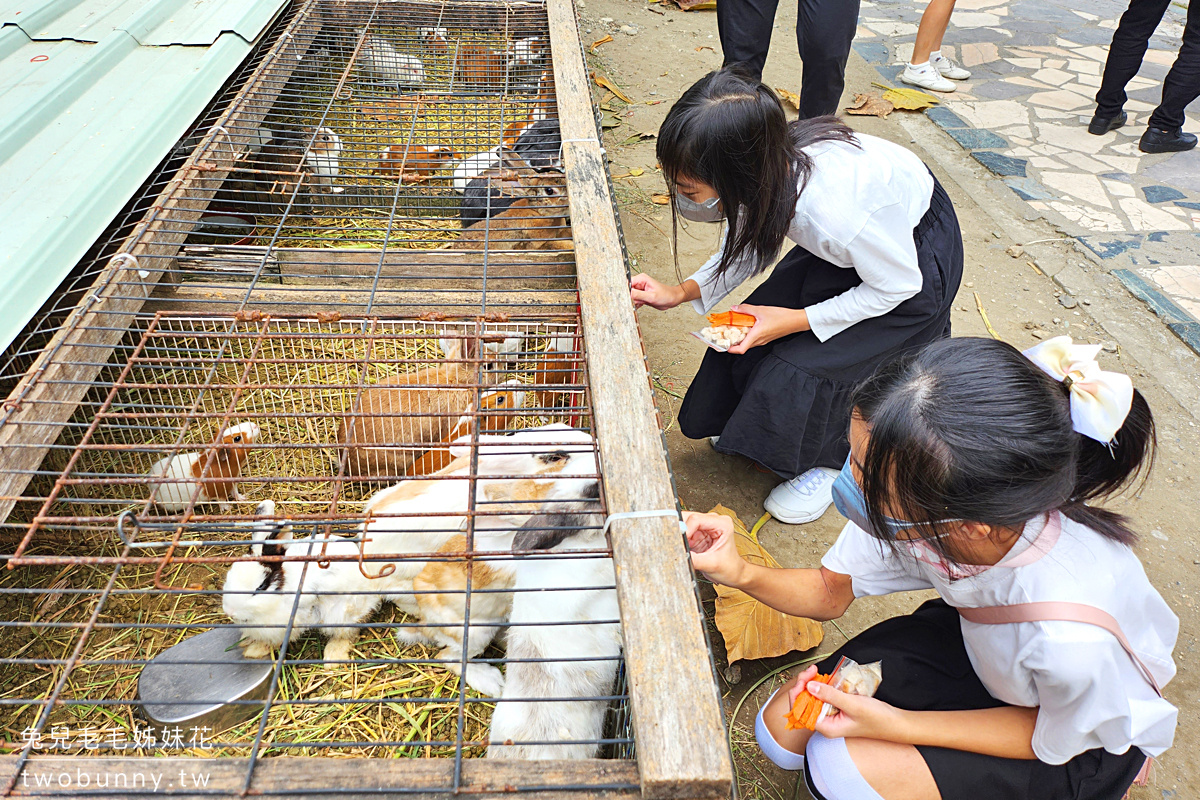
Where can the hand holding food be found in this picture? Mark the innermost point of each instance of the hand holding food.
(714, 552)
(726, 329)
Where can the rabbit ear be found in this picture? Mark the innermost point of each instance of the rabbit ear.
(547, 531)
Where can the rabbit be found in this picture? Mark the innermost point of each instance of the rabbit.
(560, 466)
(211, 475)
(379, 58)
(323, 157)
(394, 424)
(495, 190)
(413, 163)
(479, 67)
(541, 145)
(474, 166)
(530, 223)
(569, 662)
(544, 105)
(559, 365)
(528, 51)
(501, 403)
(261, 595)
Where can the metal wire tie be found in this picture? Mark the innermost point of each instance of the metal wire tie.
(662, 512)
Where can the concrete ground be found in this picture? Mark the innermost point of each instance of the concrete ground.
(656, 53)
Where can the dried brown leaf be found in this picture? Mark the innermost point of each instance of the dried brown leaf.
(750, 629)
(599, 42)
(660, 199)
(871, 105)
(791, 98)
(604, 83)
(907, 99)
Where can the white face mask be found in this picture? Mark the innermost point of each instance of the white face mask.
(707, 211)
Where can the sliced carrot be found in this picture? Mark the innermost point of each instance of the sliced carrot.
(806, 709)
(736, 318)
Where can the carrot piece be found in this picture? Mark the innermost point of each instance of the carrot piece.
(806, 708)
(736, 318)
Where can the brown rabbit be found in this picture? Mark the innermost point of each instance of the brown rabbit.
(395, 425)
(540, 222)
(413, 163)
(479, 67)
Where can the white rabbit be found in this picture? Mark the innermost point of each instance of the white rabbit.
(561, 466)
(381, 59)
(261, 595)
(471, 168)
(211, 475)
(566, 663)
(323, 157)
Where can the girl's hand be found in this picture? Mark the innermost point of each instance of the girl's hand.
(797, 685)
(646, 291)
(861, 717)
(771, 323)
(714, 552)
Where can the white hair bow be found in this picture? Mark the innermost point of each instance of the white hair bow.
(1100, 400)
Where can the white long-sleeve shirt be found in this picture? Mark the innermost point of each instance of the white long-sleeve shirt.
(1088, 690)
(857, 211)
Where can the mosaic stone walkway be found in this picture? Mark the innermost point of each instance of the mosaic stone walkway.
(1035, 66)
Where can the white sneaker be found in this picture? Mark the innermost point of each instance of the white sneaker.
(926, 77)
(948, 69)
(802, 499)
(712, 440)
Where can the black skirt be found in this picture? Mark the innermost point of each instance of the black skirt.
(786, 405)
(926, 668)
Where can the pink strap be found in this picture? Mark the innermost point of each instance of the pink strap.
(1057, 611)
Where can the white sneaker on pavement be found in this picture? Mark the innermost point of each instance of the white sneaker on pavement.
(947, 68)
(712, 440)
(926, 77)
(802, 499)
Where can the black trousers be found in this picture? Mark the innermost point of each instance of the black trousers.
(824, 30)
(1182, 84)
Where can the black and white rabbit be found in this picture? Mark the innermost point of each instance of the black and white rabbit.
(563, 641)
(541, 145)
(261, 595)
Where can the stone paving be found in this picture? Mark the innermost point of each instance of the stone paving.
(1035, 66)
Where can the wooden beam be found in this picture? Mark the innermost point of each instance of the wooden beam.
(346, 778)
(60, 377)
(228, 298)
(677, 715)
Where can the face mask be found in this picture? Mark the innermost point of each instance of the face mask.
(699, 212)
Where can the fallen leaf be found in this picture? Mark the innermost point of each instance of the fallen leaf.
(637, 137)
(653, 102)
(605, 83)
(697, 5)
(660, 199)
(705, 47)
(870, 105)
(907, 99)
(599, 42)
(791, 98)
(609, 121)
(636, 171)
(750, 629)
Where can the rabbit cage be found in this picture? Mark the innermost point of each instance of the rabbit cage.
(345, 477)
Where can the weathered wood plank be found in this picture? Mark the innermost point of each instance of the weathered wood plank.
(227, 299)
(677, 716)
(347, 778)
(60, 377)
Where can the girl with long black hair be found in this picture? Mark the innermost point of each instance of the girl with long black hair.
(877, 262)
(973, 471)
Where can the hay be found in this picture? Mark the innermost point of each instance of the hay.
(111, 688)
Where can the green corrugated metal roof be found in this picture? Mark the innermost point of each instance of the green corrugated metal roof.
(93, 94)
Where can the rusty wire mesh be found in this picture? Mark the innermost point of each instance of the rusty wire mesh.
(274, 295)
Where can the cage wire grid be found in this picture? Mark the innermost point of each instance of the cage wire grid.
(102, 576)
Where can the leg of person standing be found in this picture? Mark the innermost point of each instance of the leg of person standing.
(824, 31)
(1181, 86)
(744, 27)
(1125, 56)
(928, 68)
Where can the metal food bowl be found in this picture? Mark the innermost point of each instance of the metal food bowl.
(198, 683)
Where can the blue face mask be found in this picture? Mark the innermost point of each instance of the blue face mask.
(850, 501)
(699, 212)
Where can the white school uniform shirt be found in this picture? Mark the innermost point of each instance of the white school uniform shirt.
(1090, 692)
(857, 211)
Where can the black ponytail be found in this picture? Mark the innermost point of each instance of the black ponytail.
(730, 131)
(971, 429)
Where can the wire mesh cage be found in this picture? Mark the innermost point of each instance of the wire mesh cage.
(312, 470)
